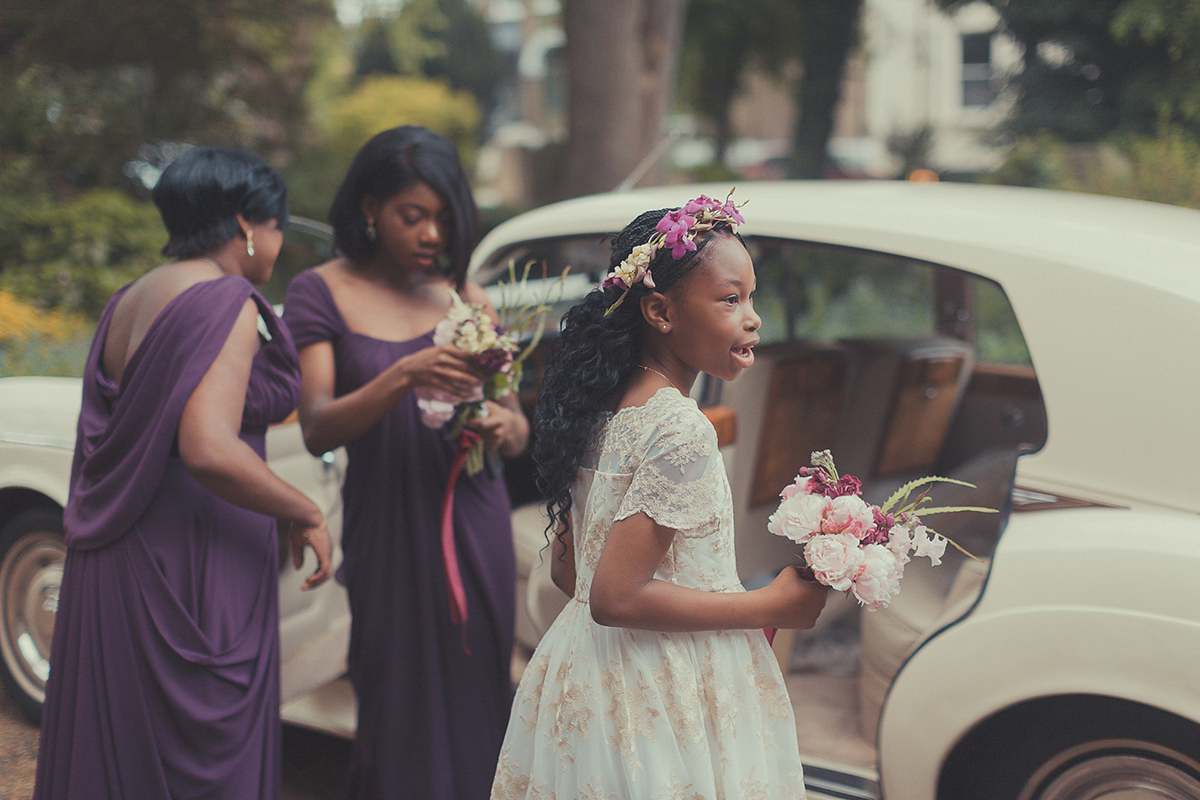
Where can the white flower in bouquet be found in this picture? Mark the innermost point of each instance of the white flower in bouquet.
(799, 517)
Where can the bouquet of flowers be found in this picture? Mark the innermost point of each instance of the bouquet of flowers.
(495, 349)
(851, 545)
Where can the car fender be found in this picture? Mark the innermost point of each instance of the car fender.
(1097, 627)
(36, 467)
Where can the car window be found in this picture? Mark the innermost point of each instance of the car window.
(816, 292)
(826, 293)
(808, 291)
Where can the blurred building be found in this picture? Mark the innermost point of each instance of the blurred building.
(924, 89)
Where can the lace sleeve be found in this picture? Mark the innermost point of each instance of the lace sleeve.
(677, 480)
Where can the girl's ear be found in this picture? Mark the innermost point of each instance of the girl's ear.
(656, 311)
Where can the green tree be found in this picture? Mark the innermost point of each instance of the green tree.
(383, 101)
(70, 256)
(442, 40)
(1096, 66)
(720, 42)
(828, 32)
(92, 80)
(723, 40)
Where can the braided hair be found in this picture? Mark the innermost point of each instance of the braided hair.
(593, 360)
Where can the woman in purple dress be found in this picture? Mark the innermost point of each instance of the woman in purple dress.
(433, 695)
(164, 676)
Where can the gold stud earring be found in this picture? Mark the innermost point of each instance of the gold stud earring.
(249, 242)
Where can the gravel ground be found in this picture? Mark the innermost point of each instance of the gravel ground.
(18, 751)
(314, 764)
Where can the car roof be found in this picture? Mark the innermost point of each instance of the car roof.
(941, 222)
(1106, 291)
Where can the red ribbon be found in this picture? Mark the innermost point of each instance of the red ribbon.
(458, 595)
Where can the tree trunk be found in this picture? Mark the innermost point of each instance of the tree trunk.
(829, 31)
(622, 58)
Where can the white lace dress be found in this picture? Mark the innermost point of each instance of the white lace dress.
(617, 714)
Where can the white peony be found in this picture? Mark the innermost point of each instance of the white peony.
(835, 559)
(799, 517)
(879, 580)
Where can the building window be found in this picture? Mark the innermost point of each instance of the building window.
(976, 69)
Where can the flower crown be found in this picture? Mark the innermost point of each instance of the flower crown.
(677, 230)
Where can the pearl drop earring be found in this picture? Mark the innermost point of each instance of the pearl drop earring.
(249, 242)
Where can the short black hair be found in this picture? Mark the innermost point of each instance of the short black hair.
(201, 191)
(396, 159)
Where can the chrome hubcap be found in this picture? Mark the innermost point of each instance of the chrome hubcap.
(30, 576)
(1116, 770)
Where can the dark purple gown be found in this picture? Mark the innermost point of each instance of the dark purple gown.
(431, 718)
(164, 677)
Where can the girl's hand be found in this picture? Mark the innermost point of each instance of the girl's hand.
(501, 426)
(316, 537)
(797, 602)
(442, 367)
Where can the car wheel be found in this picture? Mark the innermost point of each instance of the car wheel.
(1120, 769)
(32, 554)
(1076, 748)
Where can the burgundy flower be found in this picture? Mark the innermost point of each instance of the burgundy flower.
(848, 484)
(884, 521)
(495, 360)
(877, 535)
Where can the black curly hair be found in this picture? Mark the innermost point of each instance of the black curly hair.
(592, 362)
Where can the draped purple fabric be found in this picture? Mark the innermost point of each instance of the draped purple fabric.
(431, 717)
(164, 677)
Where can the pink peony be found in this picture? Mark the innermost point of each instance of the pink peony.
(801, 484)
(834, 559)
(438, 406)
(799, 517)
(879, 579)
(848, 514)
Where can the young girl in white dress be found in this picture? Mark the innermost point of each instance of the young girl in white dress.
(656, 681)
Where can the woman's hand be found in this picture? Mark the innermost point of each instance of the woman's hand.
(316, 537)
(442, 367)
(501, 428)
(796, 602)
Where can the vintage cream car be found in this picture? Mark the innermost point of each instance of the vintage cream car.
(1041, 345)
(1044, 346)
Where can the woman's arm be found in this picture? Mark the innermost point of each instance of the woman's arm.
(562, 565)
(329, 422)
(625, 593)
(228, 467)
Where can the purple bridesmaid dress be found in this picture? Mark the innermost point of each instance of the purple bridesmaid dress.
(164, 677)
(431, 717)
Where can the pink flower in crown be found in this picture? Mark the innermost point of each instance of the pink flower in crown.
(676, 227)
(702, 203)
(730, 210)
